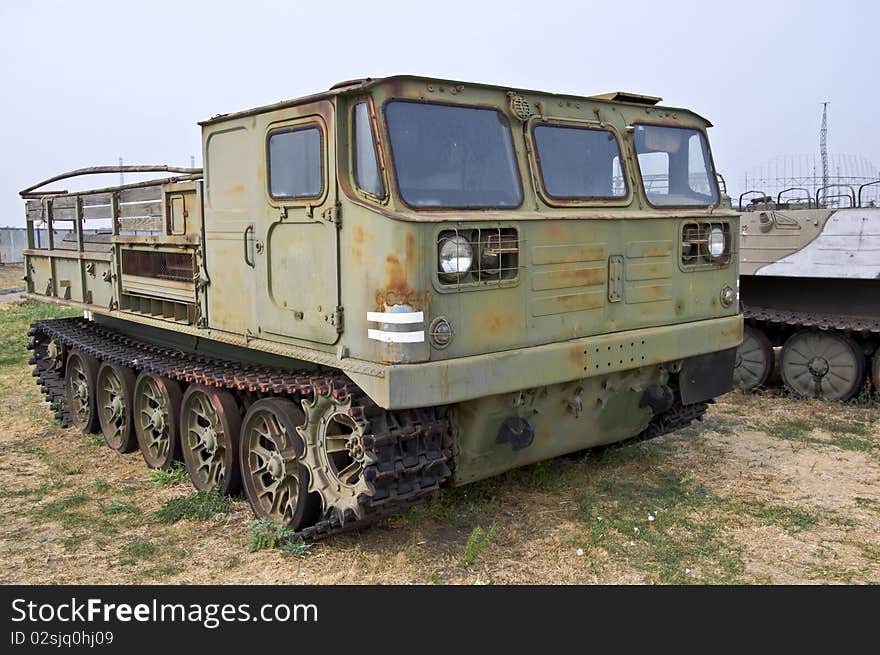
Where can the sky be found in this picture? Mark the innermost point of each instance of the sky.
(86, 82)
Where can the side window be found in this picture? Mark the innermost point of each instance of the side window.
(295, 163)
(655, 173)
(675, 166)
(366, 164)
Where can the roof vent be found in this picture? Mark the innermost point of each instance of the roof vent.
(623, 96)
(519, 106)
(358, 82)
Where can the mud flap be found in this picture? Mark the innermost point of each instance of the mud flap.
(706, 376)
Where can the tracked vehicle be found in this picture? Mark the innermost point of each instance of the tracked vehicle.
(810, 284)
(391, 286)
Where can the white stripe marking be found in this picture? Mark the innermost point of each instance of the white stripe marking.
(396, 318)
(396, 337)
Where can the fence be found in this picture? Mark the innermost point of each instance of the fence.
(14, 239)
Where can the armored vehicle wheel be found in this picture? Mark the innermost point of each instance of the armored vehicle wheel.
(822, 365)
(157, 419)
(875, 372)
(276, 484)
(335, 455)
(80, 375)
(115, 389)
(54, 357)
(210, 423)
(754, 359)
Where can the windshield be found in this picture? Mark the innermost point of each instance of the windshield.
(675, 166)
(578, 162)
(452, 156)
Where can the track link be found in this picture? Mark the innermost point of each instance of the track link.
(677, 417)
(760, 316)
(410, 450)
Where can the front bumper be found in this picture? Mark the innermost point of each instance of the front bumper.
(404, 386)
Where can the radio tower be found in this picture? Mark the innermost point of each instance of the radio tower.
(823, 144)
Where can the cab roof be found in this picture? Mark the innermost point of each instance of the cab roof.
(360, 85)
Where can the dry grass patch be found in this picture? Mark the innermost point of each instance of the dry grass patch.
(766, 489)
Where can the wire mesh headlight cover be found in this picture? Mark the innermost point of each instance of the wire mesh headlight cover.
(717, 242)
(705, 245)
(491, 254)
(456, 256)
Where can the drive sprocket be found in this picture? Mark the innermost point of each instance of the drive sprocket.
(335, 455)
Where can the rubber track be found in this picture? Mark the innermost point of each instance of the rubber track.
(411, 450)
(764, 315)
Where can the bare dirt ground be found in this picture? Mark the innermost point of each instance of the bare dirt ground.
(765, 490)
(11, 276)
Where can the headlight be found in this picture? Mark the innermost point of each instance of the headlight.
(716, 243)
(456, 255)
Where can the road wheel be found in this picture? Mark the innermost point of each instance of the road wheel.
(80, 375)
(875, 371)
(822, 365)
(754, 359)
(115, 389)
(210, 423)
(157, 419)
(276, 484)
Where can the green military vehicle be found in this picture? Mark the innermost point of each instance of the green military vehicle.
(810, 282)
(390, 286)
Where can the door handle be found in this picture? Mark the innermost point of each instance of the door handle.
(248, 256)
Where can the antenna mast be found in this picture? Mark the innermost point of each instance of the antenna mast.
(823, 144)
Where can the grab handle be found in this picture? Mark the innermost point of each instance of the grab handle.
(248, 257)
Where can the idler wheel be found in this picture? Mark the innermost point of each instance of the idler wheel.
(80, 377)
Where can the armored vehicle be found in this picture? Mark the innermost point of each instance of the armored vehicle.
(810, 283)
(393, 285)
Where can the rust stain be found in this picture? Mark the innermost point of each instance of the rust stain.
(553, 231)
(410, 247)
(496, 323)
(572, 277)
(396, 276)
(397, 290)
(655, 251)
(361, 235)
(577, 356)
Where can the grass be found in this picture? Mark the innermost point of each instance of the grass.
(266, 535)
(846, 435)
(167, 477)
(120, 507)
(138, 550)
(11, 276)
(100, 485)
(201, 505)
(17, 318)
(295, 548)
(476, 544)
(720, 508)
(667, 525)
(63, 466)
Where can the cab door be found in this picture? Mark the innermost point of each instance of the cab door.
(230, 213)
(296, 249)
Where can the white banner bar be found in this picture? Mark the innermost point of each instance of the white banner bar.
(396, 318)
(396, 337)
